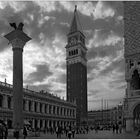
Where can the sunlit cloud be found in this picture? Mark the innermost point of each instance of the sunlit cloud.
(44, 57)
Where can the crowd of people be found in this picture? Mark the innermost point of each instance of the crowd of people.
(65, 131)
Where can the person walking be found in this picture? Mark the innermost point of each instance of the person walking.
(57, 132)
(5, 129)
(1, 132)
(69, 134)
(120, 128)
(73, 132)
(25, 132)
(113, 128)
(117, 128)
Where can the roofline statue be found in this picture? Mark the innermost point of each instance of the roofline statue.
(20, 26)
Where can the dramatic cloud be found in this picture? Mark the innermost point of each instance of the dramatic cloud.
(44, 57)
(42, 72)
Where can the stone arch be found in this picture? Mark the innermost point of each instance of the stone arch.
(133, 107)
(132, 71)
(135, 80)
(135, 113)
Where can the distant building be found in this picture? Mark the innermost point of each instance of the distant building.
(41, 109)
(107, 116)
(132, 64)
(77, 69)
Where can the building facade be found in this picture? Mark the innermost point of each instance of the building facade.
(132, 64)
(106, 116)
(77, 69)
(40, 109)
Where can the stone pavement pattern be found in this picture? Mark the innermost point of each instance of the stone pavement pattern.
(92, 135)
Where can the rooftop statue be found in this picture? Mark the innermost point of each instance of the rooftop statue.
(20, 26)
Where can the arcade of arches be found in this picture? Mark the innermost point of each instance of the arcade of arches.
(40, 110)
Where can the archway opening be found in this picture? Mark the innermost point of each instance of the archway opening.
(135, 83)
(136, 117)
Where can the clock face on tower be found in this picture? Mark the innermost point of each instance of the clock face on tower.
(73, 40)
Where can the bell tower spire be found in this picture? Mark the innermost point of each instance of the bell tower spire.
(75, 24)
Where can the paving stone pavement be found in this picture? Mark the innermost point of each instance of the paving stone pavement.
(92, 135)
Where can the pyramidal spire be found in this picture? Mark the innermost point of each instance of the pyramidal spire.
(75, 24)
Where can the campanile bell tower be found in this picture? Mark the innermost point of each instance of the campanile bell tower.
(77, 69)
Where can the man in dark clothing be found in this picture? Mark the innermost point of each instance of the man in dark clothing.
(25, 132)
(1, 132)
(113, 127)
(117, 128)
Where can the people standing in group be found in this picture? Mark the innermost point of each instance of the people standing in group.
(16, 132)
(96, 128)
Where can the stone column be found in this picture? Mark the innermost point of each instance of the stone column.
(62, 111)
(12, 103)
(63, 124)
(48, 108)
(48, 121)
(38, 123)
(51, 109)
(33, 123)
(38, 107)
(33, 106)
(74, 113)
(55, 110)
(18, 40)
(43, 108)
(59, 111)
(43, 124)
(5, 101)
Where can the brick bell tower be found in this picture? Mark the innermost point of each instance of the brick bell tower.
(77, 69)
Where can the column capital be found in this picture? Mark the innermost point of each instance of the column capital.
(17, 43)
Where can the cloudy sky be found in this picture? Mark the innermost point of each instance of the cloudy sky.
(44, 64)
